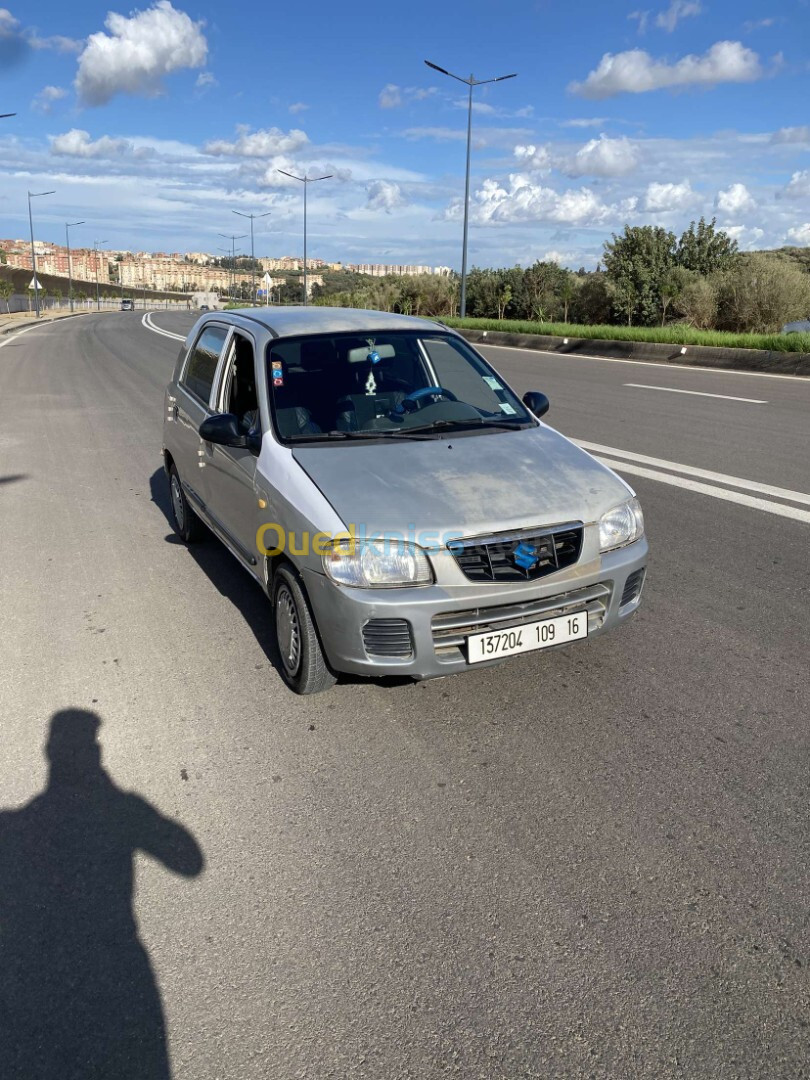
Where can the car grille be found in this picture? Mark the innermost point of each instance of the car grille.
(388, 637)
(632, 587)
(450, 631)
(524, 556)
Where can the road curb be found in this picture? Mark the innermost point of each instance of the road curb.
(12, 329)
(759, 360)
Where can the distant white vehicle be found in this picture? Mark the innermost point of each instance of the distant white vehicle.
(802, 326)
(205, 300)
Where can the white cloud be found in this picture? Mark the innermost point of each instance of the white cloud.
(677, 10)
(393, 96)
(77, 143)
(390, 96)
(799, 234)
(44, 100)
(799, 135)
(643, 18)
(761, 24)
(735, 200)
(204, 80)
(385, 195)
(56, 42)
(663, 198)
(138, 52)
(799, 185)
(585, 122)
(297, 107)
(521, 200)
(258, 144)
(603, 157)
(536, 159)
(747, 237)
(636, 72)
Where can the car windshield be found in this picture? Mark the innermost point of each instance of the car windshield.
(389, 385)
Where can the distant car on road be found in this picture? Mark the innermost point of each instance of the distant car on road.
(800, 327)
(127, 305)
(404, 510)
(204, 307)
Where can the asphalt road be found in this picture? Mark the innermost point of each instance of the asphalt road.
(590, 863)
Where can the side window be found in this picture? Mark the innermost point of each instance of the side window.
(240, 397)
(198, 378)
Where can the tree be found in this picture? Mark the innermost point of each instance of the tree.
(637, 263)
(704, 249)
(593, 301)
(697, 302)
(6, 290)
(761, 293)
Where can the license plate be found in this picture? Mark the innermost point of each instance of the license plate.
(527, 638)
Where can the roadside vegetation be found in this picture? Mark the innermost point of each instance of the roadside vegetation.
(652, 286)
(674, 334)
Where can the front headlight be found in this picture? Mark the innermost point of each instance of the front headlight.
(621, 525)
(374, 564)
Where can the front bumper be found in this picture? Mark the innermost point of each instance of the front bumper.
(439, 617)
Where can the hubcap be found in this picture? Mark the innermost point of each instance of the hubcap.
(177, 502)
(287, 630)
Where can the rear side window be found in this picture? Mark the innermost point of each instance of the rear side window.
(198, 377)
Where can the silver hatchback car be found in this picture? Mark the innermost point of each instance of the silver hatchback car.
(406, 513)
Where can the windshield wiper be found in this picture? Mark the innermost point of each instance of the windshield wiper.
(505, 425)
(327, 436)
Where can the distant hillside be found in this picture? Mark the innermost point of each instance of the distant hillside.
(21, 279)
(798, 255)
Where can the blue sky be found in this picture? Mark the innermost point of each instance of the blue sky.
(153, 123)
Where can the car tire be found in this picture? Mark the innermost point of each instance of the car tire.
(186, 523)
(303, 665)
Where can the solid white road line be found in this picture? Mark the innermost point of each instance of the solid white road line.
(147, 322)
(19, 333)
(703, 474)
(705, 489)
(697, 393)
(648, 363)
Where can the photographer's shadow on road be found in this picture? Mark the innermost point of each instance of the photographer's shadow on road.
(78, 997)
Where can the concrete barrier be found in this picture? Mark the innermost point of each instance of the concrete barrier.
(772, 363)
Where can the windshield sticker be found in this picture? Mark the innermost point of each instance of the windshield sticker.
(493, 384)
(277, 379)
(507, 408)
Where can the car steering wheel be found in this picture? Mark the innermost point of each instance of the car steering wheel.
(426, 391)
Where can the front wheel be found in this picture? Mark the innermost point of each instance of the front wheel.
(186, 523)
(303, 666)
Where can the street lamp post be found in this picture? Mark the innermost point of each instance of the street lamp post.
(233, 238)
(35, 195)
(95, 260)
(252, 253)
(471, 82)
(306, 180)
(70, 225)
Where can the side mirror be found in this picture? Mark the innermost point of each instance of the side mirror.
(223, 429)
(537, 402)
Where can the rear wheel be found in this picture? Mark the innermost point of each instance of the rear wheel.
(186, 523)
(303, 666)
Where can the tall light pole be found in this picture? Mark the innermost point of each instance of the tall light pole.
(70, 225)
(233, 238)
(95, 260)
(252, 254)
(471, 82)
(35, 195)
(306, 180)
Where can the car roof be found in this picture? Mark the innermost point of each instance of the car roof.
(297, 321)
